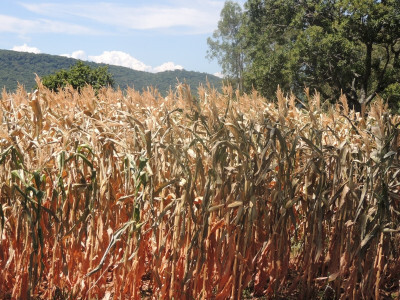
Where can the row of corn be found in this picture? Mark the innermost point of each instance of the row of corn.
(201, 195)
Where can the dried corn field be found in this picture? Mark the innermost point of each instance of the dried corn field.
(128, 195)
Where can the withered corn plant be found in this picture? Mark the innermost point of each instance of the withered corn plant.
(129, 195)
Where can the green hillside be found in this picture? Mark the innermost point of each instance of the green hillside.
(20, 67)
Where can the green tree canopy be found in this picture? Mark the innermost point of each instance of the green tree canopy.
(333, 46)
(79, 76)
(225, 45)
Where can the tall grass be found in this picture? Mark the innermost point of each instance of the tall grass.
(128, 194)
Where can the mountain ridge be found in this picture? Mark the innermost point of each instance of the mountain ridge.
(20, 68)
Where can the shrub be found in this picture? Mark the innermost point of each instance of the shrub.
(79, 76)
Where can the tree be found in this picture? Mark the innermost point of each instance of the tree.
(268, 43)
(79, 76)
(333, 46)
(226, 43)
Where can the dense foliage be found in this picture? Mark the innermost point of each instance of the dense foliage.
(334, 47)
(226, 44)
(21, 67)
(138, 196)
(79, 76)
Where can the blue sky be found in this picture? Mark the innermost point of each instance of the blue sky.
(150, 35)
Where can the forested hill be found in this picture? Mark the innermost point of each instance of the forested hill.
(20, 67)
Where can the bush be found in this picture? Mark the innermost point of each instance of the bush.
(392, 95)
(79, 76)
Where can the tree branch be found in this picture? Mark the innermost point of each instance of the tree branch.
(379, 86)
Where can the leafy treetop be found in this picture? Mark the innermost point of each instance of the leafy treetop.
(225, 45)
(332, 46)
(79, 76)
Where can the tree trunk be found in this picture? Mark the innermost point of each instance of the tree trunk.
(367, 75)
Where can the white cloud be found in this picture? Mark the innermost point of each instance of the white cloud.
(79, 54)
(26, 48)
(23, 26)
(120, 58)
(219, 74)
(190, 16)
(168, 66)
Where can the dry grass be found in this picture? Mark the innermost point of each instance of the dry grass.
(134, 195)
